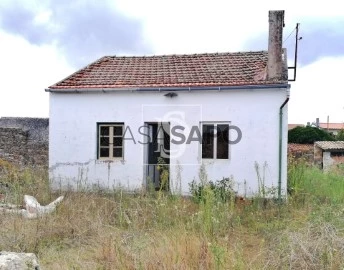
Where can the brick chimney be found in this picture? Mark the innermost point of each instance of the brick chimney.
(275, 62)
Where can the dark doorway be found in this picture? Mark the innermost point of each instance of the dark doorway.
(158, 161)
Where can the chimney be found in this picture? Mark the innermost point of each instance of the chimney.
(275, 62)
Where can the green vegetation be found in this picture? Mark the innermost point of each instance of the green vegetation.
(164, 171)
(115, 230)
(340, 135)
(223, 190)
(308, 135)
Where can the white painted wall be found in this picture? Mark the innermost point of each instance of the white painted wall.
(73, 137)
(327, 161)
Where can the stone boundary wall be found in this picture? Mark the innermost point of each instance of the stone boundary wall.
(24, 141)
(305, 151)
(37, 128)
(13, 145)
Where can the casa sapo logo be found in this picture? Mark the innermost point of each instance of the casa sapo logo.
(180, 135)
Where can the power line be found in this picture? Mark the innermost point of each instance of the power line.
(289, 35)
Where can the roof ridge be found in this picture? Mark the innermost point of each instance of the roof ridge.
(185, 54)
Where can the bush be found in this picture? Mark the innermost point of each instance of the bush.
(308, 135)
(222, 189)
(340, 135)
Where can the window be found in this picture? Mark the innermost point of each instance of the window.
(215, 139)
(337, 154)
(110, 140)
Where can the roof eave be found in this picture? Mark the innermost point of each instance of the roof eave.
(164, 89)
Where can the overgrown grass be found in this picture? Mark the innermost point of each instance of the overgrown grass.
(310, 184)
(115, 230)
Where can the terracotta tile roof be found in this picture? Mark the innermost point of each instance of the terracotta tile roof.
(291, 126)
(332, 125)
(328, 145)
(209, 69)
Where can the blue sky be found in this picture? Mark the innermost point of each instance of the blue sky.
(44, 41)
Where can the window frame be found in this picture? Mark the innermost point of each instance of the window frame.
(111, 135)
(215, 137)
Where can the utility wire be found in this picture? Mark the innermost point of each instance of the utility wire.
(289, 35)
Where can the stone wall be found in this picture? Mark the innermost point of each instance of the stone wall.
(13, 145)
(24, 141)
(37, 128)
(301, 151)
(318, 157)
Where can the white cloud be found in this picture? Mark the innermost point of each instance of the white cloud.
(43, 17)
(180, 26)
(193, 26)
(318, 92)
(26, 70)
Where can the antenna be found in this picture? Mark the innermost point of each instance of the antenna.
(295, 56)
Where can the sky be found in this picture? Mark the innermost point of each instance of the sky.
(42, 42)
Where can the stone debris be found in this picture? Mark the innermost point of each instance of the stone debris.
(16, 261)
(32, 208)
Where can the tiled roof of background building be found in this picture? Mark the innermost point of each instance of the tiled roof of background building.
(291, 126)
(331, 125)
(330, 145)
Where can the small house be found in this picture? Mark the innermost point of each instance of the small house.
(167, 120)
(328, 154)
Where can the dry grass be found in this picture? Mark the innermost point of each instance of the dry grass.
(313, 246)
(93, 231)
(115, 230)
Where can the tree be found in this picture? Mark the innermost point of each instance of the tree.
(308, 135)
(340, 135)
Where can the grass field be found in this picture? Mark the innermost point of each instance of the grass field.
(150, 230)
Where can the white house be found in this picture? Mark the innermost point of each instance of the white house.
(217, 113)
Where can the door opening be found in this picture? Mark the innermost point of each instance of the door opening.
(158, 156)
